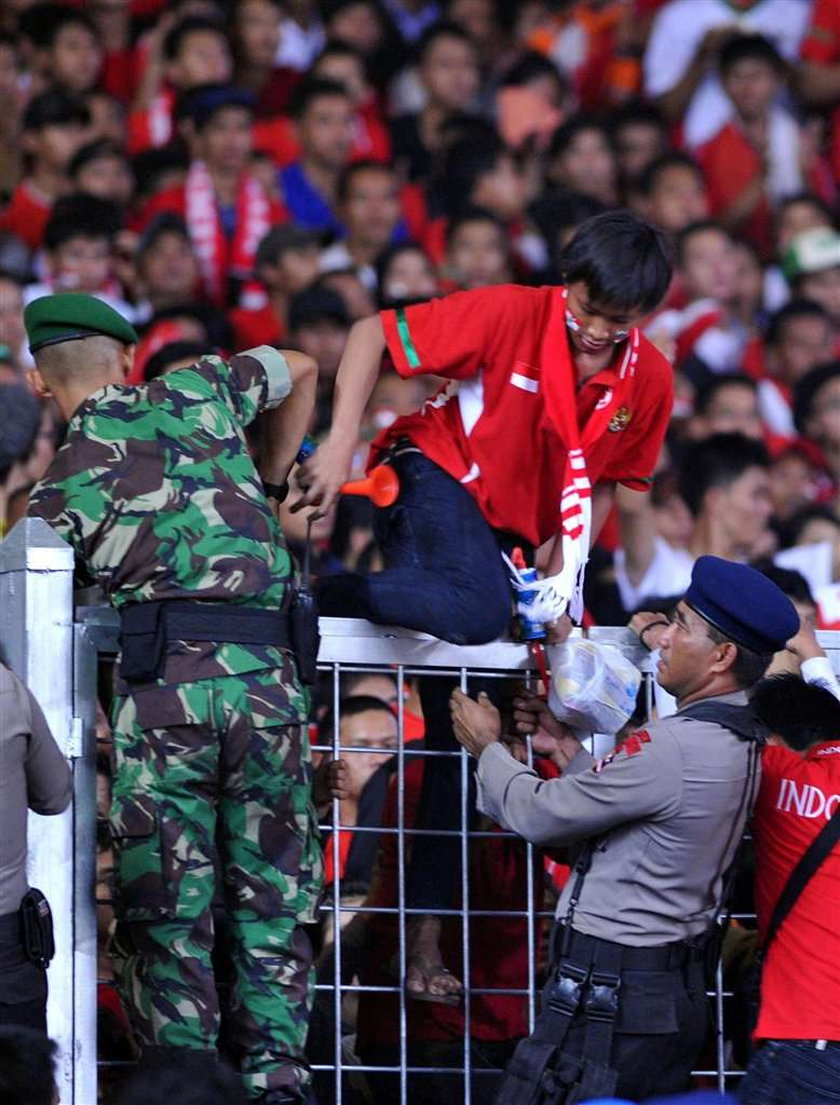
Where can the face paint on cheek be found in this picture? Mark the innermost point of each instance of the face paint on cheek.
(572, 322)
(620, 335)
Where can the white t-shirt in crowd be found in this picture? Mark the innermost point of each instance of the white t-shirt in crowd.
(669, 573)
(677, 33)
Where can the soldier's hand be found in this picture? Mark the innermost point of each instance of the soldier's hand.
(321, 477)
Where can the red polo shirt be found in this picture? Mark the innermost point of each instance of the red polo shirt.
(489, 427)
(800, 990)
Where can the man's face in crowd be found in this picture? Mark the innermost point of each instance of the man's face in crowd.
(359, 25)
(805, 341)
(823, 288)
(792, 485)
(347, 70)
(752, 85)
(709, 267)
(733, 409)
(326, 131)
(57, 144)
(81, 265)
(743, 509)
(678, 199)
(324, 341)
(226, 139)
(477, 256)
(258, 26)
(169, 268)
(297, 268)
(587, 165)
(687, 654)
(795, 218)
(597, 327)
(376, 732)
(637, 145)
(502, 190)
(203, 58)
(410, 276)
(75, 58)
(449, 72)
(371, 210)
(824, 421)
(109, 178)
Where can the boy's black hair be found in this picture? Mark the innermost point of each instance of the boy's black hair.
(650, 177)
(796, 308)
(55, 108)
(173, 351)
(26, 1067)
(81, 216)
(150, 165)
(805, 197)
(795, 526)
(94, 151)
(43, 23)
(367, 165)
(788, 580)
(464, 161)
(702, 226)
(311, 89)
(752, 47)
(351, 706)
(705, 394)
(317, 304)
(474, 215)
(802, 714)
(529, 67)
(201, 103)
(625, 263)
(215, 323)
(806, 390)
(190, 25)
(337, 48)
(718, 461)
(383, 263)
(635, 112)
(567, 132)
(443, 28)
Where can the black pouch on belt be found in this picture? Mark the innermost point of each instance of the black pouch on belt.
(143, 641)
(36, 927)
(303, 619)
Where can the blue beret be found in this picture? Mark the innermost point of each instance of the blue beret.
(743, 604)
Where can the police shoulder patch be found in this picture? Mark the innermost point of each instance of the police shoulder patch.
(630, 746)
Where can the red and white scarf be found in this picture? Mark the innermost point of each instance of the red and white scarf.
(219, 259)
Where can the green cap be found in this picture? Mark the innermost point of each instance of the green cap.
(812, 251)
(69, 316)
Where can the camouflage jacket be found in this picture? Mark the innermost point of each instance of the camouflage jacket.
(156, 491)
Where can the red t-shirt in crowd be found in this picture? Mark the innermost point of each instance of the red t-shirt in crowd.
(800, 987)
(489, 427)
(730, 164)
(26, 216)
(256, 326)
(821, 45)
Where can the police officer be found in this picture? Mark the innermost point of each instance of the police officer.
(656, 825)
(156, 491)
(33, 775)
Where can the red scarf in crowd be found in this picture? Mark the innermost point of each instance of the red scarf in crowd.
(219, 258)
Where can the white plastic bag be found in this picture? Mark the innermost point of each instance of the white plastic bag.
(593, 686)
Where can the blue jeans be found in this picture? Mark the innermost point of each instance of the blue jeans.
(444, 575)
(791, 1072)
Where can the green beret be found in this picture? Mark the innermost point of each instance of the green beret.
(70, 316)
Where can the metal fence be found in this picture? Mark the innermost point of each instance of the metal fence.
(369, 1042)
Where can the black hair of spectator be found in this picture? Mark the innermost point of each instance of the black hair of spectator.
(717, 461)
(807, 198)
(567, 132)
(311, 89)
(808, 388)
(753, 48)
(317, 304)
(151, 165)
(443, 28)
(285, 238)
(795, 526)
(530, 66)
(348, 174)
(464, 162)
(185, 1079)
(80, 215)
(215, 323)
(170, 354)
(702, 226)
(20, 417)
(167, 222)
(26, 1067)
(625, 263)
(337, 48)
(788, 580)
(706, 393)
(43, 23)
(95, 151)
(351, 706)
(201, 103)
(352, 679)
(649, 179)
(55, 108)
(636, 113)
(383, 265)
(191, 24)
(475, 215)
(802, 714)
(560, 211)
(795, 308)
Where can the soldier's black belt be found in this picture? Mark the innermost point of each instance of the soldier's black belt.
(147, 627)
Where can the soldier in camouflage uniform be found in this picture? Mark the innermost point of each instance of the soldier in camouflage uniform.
(155, 490)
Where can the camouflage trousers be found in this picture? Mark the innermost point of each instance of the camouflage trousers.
(212, 813)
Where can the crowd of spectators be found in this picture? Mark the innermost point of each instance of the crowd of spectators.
(227, 173)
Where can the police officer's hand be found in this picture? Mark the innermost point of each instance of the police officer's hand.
(476, 723)
(322, 475)
(549, 737)
(805, 645)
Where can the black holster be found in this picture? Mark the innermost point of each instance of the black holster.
(306, 640)
(36, 928)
